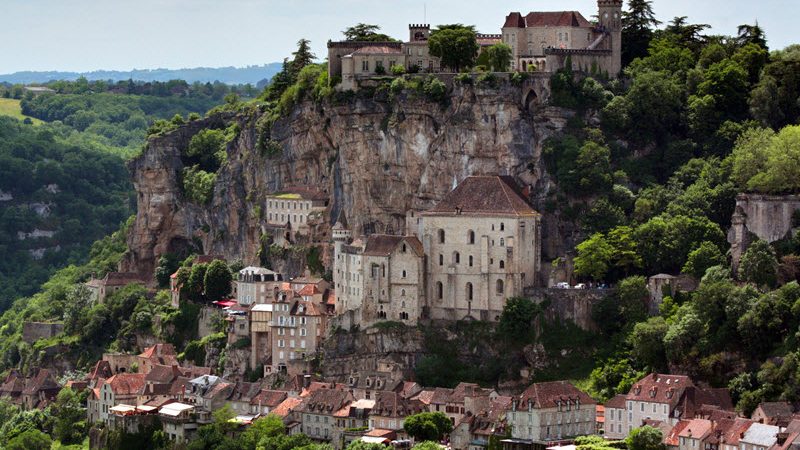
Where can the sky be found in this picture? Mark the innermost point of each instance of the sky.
(85, 35)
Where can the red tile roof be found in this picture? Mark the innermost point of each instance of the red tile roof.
(485, 195)
(267, 397)
(325, 401)
(546, 395)
(671, 438)
(309, 289)
(616, 402)
(660, 388)
(286, 406)
(126, 383)
(697, 429)
(546, 19)
(42, 381)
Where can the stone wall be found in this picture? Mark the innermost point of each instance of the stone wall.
(569, 304)
(33, 331)
(372, 350)
(768, 217)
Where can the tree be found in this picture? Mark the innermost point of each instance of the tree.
(70, 417)
(645, 438)
(30, 440)
(594, 257)
(302, 56)
(269, 426)
(428, 426)
(701, 258)
(632, 295)
(759, 264)
(499, 56)
(427, 445)
(217, 280)
(363, 32)
(455, 45)
(655, 105)
(647, 343)
(751, 34)
(195, 285)
(361, 445)
(516, 320)
(637, 29)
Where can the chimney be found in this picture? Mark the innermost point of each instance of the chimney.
(306, 380)
(782, 436)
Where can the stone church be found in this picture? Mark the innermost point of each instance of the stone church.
(480, 245)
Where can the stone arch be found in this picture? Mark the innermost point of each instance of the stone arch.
(531, 100)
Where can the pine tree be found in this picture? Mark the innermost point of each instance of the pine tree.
(302, 57)
(637, 29)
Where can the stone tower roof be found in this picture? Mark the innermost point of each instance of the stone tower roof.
(484, 196)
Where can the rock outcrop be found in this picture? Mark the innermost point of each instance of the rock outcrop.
(767, 217)
(377, 158)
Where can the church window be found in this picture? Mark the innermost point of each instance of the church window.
(441, 236)
(441, 259)
(470, 237)
(456, 258)
(502, 264)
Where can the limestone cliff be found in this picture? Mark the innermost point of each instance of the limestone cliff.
(376, 157)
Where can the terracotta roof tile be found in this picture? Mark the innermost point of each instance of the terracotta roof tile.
(286, 406)
(267, 397)
(616, 402)
(546, 19)
(126, 383)
(42, 381)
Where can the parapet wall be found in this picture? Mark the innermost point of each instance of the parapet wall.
(569, 304)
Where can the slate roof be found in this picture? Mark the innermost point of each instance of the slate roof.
(384, 245)
(545, 395)
(484, 196)
(546, 19)
(776, 409)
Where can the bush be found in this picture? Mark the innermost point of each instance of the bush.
(464, 78)
(198, 185)
(487, 80)
(397, 69)
(435, 90)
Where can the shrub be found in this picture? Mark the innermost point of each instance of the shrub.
(198, 185)
(397, 69)
(398, 85)
(488, 80)
(435, 90)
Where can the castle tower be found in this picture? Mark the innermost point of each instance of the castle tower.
(419, 32)
(610, 15)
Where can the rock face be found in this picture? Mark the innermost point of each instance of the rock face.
(377, 158)
(768, 217)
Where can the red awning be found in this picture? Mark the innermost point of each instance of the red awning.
(225, 303)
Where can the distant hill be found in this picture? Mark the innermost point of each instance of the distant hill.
(228, 75)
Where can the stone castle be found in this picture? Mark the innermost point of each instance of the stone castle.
(540, 42)
(459, 260)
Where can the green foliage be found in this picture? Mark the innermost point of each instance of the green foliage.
(435, 90)
(701, 258)
(766, 162)
(759, 265)
(363, 32)
(645, 438)
(198, 185)
(637, 30)
(455, 45)
(517, 320)
(30, 440)
(216, 280)
(427, 426)
(499, 56)
(647, 343)
(69, 417)
(361, 445)
(207, 149)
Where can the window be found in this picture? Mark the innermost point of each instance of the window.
(365, 65)
(402, 292)
(456, 258)
(470, 237)
(469, 291)
(404, 248)
(502, 226)
(439, 290)
(404, 274)
(502, 264)
(502, 242)
(441, 236)
(441, 259)
(470, 260)
(499, 287)
(641, 407)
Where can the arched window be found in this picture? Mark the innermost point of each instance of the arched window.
(470, 260)
(383, 270)
(502, 226)
(502, 264)
(469, 291)
(402, 292)
(439, 290)
(456, 258)
(441, 236)
(404, 274)
(502, 242)
(404, 248)
(441, 259)
(471, 237)
(499, 287)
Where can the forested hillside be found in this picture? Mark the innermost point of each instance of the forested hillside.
(63, 183)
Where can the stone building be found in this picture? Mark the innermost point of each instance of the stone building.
(113, 281)
(483, 245)
(293, 208)
(550, 412)
(257, 285)
(298, 328)
(542, 41)
(260, 336)
(614, 425)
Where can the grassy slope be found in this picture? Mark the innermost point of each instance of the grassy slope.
(10, 107)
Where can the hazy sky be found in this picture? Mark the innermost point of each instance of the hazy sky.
(83, 35)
